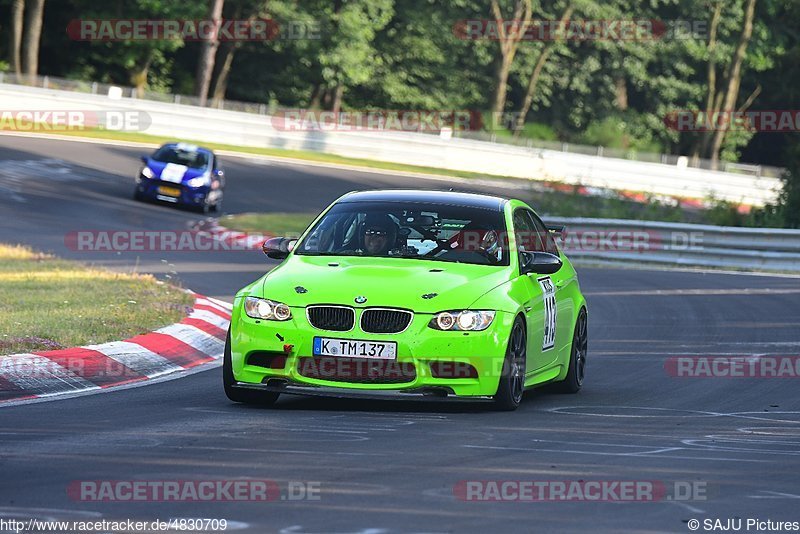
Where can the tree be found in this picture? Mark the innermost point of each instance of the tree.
(536, 74)
(31, 39)
(205, 66)
(15, 41)
(734, 80)
(509, 37)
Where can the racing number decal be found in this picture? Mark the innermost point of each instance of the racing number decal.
(549, 297)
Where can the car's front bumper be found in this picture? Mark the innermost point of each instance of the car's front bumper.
(281, 385)
(188, 196)
(419, 347)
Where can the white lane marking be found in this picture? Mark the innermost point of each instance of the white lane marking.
(774, 495)
(618, 454)
(191, 335)
(699, 292)
(211, 318)
(37, 375)
(137, 358)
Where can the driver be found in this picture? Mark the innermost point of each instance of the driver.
(380, 234)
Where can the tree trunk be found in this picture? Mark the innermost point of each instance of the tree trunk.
(701, 143)
(222, 70)
(15, 42)
(533, 82)
(316, 96)
(208, 52)
(31, 39)
(138, 75)
(337, 99)
(509, 42)
(734, 81)
(621, 97)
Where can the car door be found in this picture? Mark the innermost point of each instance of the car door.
(538, 294)
(564, 282)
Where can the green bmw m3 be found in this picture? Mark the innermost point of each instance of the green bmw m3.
(403, 294)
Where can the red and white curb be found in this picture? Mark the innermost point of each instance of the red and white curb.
(231, 239)
(197, 339)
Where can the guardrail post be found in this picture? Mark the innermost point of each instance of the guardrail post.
(262, 109)
(177, 99)
(94, 88)
(600, 151)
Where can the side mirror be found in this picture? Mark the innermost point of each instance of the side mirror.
(219, 172)
(278, 248)
(539, 263)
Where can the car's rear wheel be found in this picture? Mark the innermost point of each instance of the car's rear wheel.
(512, 380)
(246, 396)
(577, 361)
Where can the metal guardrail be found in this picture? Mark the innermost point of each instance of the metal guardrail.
(678, 244)
(207, 125)
(64, 84)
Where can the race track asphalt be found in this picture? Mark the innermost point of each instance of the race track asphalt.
(392, 467)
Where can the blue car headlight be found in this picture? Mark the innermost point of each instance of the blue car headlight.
(147, 172)
(200, 181)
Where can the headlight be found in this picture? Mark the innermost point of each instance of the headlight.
(465, 320)
(147, 173)
(266, 309)
(199, 181)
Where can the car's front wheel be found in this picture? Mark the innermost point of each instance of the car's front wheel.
(246, 396)
(512, 380)
(577, 361)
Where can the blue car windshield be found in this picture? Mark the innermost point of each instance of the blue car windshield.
(193, 159)
(410, 230)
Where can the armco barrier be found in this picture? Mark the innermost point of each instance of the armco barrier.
(674, 244)
(247, 129)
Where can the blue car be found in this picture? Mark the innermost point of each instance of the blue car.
(182, 174)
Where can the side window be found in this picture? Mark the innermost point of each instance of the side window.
(526, 233)
(547, 238)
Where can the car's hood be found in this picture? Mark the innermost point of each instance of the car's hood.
(390, 282)
(172, 172)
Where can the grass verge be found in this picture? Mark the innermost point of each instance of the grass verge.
(277, 224)
(48, 303)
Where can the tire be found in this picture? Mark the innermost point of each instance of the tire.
(512, 380)
(137, 195)
(217, 207)
(577, 358)
(245, 396)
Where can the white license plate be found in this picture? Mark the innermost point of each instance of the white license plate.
(354, 348)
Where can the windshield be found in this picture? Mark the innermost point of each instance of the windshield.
(189, 157)
(409, 230)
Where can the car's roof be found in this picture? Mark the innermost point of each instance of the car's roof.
(452, 198)
(188, 146)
